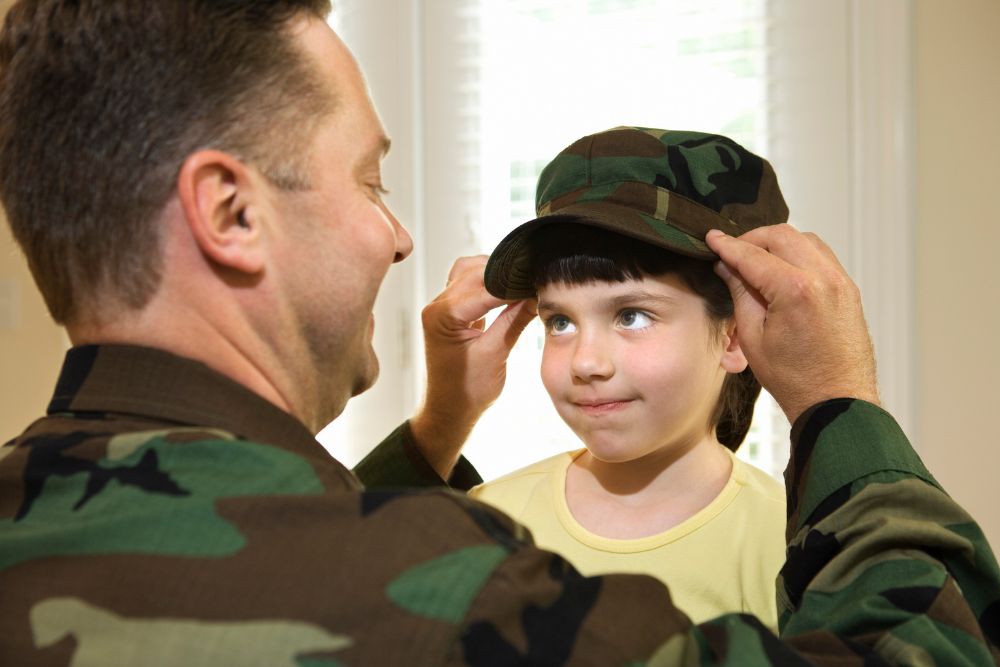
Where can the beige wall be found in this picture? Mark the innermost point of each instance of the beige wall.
(957, 246)
(31, 345)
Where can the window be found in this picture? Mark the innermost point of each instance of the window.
(686, 64)
(482, 94)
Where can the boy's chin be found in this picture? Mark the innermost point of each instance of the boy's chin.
(611, 452)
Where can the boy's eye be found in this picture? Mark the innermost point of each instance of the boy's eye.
(634, 319)
(558, 325)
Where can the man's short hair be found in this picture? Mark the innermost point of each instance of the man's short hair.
(101, 101)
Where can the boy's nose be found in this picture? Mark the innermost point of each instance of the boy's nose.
(591, 359)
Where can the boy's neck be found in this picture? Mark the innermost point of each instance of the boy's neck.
(646, 496)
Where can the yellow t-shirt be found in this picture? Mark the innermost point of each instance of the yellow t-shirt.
(723, 559)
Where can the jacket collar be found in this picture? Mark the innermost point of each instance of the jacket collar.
(152, 383)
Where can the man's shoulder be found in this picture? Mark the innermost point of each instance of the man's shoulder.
(92, 481)
(149, 513)
(65, 466)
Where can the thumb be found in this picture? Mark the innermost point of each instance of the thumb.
(756, 267)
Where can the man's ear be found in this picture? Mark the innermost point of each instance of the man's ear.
(217, 193)
(733, 360)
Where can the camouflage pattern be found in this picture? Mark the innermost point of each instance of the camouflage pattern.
(665, 187)
(163, 515)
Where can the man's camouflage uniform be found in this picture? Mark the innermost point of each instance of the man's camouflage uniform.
(162, 514)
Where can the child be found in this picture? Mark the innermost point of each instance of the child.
(642, 360)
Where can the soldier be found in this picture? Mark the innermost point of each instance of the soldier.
(196, 187)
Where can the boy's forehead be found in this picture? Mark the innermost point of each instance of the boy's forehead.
(663, 286)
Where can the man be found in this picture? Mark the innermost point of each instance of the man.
(196, 187)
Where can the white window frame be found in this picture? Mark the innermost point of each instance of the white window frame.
(843, 87)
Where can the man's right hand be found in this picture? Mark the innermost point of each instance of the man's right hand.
(798, 315)
(466, 362)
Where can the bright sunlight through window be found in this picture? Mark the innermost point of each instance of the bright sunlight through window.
(685, 65)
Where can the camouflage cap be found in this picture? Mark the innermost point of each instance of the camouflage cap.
(665, 187)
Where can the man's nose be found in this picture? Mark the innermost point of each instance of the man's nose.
(404, 242)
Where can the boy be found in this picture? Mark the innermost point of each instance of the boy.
(642, 360)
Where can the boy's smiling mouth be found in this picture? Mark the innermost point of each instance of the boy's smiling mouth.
(601, 406)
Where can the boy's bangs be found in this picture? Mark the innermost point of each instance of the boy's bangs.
(574, 254)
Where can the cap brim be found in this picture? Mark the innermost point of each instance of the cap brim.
(509, 270)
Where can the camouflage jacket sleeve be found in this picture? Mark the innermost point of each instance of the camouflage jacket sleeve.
(397, 463)
(882, 568)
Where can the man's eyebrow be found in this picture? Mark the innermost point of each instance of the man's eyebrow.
(377, 151)
(372, 158)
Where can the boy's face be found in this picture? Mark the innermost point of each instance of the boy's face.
(634, 368)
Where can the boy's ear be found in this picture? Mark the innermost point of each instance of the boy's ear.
(733, 360)
(216, 192)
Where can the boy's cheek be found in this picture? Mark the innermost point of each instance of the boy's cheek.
(552, 370)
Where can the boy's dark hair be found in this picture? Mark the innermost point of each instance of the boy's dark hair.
(573, 254)
(102, 100)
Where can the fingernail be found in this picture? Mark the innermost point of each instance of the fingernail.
(714, 233)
